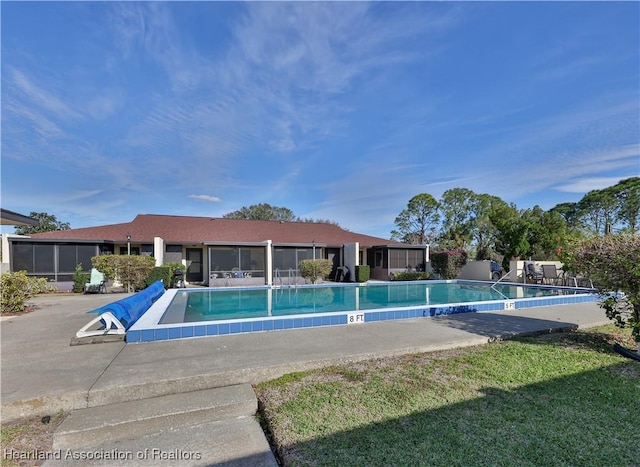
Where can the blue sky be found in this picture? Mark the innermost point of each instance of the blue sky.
(340, 111)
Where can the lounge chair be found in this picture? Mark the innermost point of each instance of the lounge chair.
(533, 273)
(96, 284)
(550, 275)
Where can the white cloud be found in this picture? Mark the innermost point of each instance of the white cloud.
(585, 185)
(207, 198)
(43, 99)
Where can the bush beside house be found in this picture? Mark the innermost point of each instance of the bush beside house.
(363, 273)
(17, 288)
(410, 276)
(80, 278)
(159, 273)
(448, 264)
(314, 269)
(131, 270)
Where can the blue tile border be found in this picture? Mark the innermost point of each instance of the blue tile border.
(191, 330)
(133, 336)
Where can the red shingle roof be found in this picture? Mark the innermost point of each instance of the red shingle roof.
(185, 230)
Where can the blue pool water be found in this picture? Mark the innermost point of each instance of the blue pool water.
(224, 304)
(183, 313)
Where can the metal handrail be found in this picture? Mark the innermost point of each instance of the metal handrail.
(498, 281)
(276, 275)
(295, 281)
(503, 277)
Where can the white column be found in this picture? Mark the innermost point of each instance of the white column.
(351, 251)
(158, 250)
(268, 273)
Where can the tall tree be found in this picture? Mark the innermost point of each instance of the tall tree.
(512, 230)
(627, 195)
(546, 232)
(47, 223)
(263, 212)
(570, 212)
(484, 231)
(597, 210)
(466, 223)
(417, 223)
(458, 211)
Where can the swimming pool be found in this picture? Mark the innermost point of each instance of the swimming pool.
(181, 313)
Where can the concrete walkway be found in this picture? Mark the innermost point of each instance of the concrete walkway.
(42, 374)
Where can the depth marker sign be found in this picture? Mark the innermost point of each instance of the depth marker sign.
(355, 318)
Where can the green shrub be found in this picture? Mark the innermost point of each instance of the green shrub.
(17, 288)
(410, 276)
(159, 273)
(131, 270)
(447, 264)
(172, 267)
(80, 278)
(313, 269)
(363, 273)
(612, 262)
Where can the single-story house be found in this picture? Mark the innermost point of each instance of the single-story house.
(214, 251)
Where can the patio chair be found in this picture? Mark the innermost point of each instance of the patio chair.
(533, 273)
(578, 280)
(96, 284)
(550, 275)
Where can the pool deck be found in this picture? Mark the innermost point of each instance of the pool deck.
(41, 373)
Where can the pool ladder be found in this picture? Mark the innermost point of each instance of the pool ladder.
(279, 276)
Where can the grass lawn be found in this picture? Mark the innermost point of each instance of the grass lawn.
(20, 440)
(555, 399)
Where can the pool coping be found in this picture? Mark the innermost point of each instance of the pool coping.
(147, 329)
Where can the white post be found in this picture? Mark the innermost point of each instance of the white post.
(268, 273)
(158, 251)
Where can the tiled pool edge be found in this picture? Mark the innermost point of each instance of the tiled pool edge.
(146, 331)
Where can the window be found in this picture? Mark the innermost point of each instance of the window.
(415, 258)
(401, 259)
(56, 262)
(68, 259)
(43, 256)
(173, 254)
(23, 257)
(397, 259)
(252, 259)
(106, 249)
(223, 259)
(246, 259)
(147, 249)
(286, 258)
(69, 256)
(84, 255)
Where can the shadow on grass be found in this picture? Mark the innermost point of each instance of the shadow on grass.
(580, 418)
